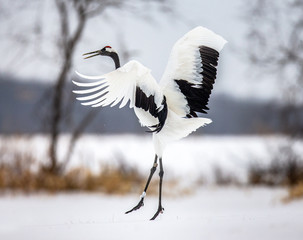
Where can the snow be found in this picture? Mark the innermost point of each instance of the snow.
(207, 213)
(211, 213)
(189, 159)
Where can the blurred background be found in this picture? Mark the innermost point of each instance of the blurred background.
(70, 172)
(49, 141)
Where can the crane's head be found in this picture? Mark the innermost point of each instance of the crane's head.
(106, 51)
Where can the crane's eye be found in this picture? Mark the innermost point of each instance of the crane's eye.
(106, 49)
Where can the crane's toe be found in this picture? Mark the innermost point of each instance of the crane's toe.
(139, 205)
(160, 210)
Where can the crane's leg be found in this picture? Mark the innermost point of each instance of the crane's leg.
(152, 171)
(160, 208)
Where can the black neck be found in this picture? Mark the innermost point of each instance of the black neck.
(115, 57)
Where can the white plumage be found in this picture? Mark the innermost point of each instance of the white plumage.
(169, 109)
(185, 63)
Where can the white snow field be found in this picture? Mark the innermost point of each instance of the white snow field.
(189, 159)
(208, 213)
(211, 213)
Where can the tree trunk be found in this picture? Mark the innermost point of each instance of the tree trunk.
(68, 43)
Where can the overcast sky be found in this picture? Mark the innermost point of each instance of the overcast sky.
(150, 43)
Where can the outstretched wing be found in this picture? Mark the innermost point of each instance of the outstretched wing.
(191, 72)
(130, 83)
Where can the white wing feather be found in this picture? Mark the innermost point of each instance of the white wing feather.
(119, 86)
(185, 63)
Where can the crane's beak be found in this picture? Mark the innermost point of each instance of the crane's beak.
(91, 54)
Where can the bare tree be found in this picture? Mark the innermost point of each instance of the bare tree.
(275, 47)
(71, 19)
(67, 43)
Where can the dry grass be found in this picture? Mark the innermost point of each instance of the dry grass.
(20, 171)
(294, 193)
(224, 178)
(285, 168)
(17, 176)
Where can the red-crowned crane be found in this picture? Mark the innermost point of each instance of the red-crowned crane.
(169, 109)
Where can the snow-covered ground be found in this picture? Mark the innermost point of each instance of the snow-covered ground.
(211, 213)
(192, 158)
(208, 213)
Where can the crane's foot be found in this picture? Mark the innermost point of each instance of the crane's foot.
(160, 210)
(139, 205)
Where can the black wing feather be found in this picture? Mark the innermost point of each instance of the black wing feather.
(197, 95)
(148, 104)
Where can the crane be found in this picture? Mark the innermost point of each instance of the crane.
(170, 109)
